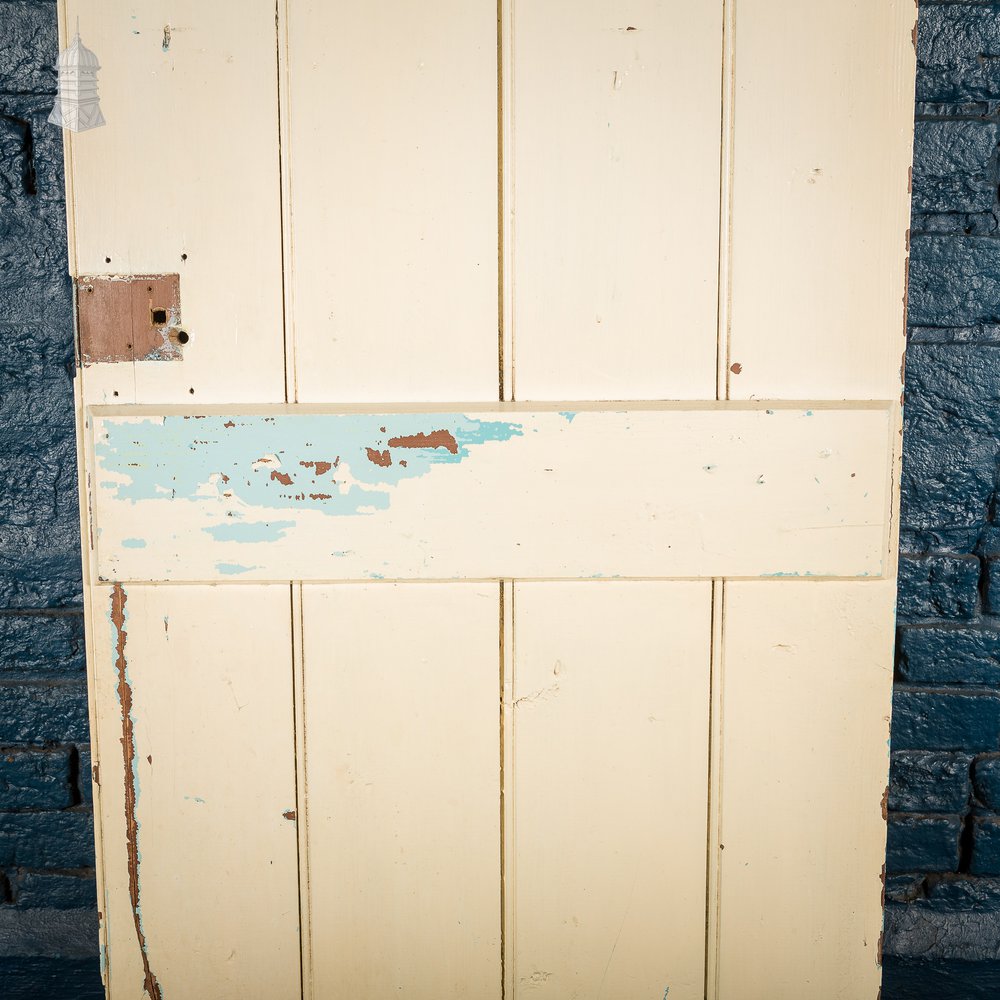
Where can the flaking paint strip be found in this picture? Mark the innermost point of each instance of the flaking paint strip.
(117, 615)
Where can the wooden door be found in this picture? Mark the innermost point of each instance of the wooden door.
(490, 530)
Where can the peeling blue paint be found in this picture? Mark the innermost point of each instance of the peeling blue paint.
(233, 569)
(254, 531)
(133, 543)
(271, 462)
(568, 414)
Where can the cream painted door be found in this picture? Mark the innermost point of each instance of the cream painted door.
(490, 565)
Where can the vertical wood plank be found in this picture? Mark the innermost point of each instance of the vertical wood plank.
(184, 178)
(806, 701)
(613, 207)
(402, 746)
(823, 126)
(610, 763)
(194, 721)
(393, 183)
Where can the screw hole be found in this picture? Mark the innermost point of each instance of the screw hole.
(182, 337)
(159, 317)
(116, 392)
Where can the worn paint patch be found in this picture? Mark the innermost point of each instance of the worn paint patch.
(133, 543)
(435, 439)
(268, 462)
(233, 569)
(249, 532)
(118, 618)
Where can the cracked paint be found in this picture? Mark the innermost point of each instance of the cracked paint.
(118, 618)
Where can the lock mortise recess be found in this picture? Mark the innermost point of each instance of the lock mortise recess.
(129, 317)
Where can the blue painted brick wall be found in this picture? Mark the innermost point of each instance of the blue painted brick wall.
(48, 919)
(943, 859)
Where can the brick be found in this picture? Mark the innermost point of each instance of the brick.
(986, 781)
(954, 224)
(40, 563)
(47, 839)
(938, 586)
(991, 597)
(41, 713)
(52, 978)
(940, 978)
(950, 453)
(35, 779)
(957, 49)
(905, 888)
(59, 891)
(954, 282)
(950, 655)
(41, 646)
(30, 47)
(953, 168)
(985, 858)
(922, 843)
(928, 782)
(936, 719)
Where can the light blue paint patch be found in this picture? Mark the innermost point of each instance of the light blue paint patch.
(174, 456)
(568, 414)
(194, 798)
(133, 543)
(259, 531)
(104, 959)
(794, 573)
(376, 576)
(233, 569)
(809, 413)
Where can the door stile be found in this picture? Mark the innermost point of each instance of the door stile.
(83, 443)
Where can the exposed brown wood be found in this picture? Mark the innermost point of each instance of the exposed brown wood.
(130, 318)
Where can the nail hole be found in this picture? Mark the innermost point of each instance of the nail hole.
(182, 337)
(116, 392)
(107, 260)
(184, 256)
(191, 390)
(159, 317)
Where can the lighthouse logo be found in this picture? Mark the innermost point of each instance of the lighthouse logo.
(77, 105)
